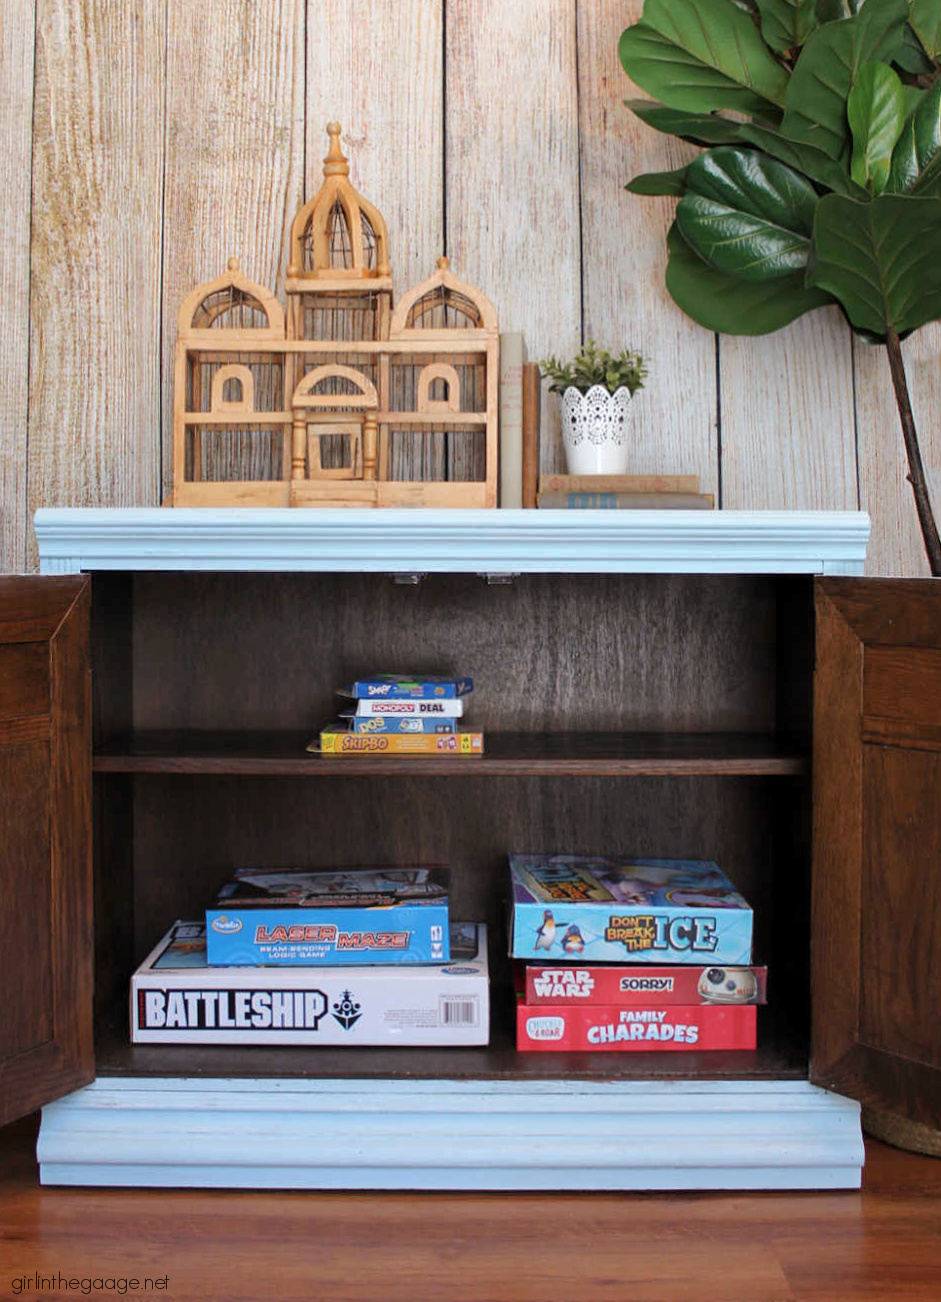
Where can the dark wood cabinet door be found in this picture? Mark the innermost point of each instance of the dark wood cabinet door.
(45, 833)
(876, 941)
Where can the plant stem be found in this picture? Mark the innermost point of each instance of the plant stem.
(916, 471)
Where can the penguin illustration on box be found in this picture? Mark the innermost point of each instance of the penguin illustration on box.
(545, 935)
(573, 942)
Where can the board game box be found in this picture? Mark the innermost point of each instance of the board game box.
(177, 998)
(406, 687)
(371, 725)
(336, 739)
(638, 984)
(576, 908)
(571, 1027)
(338, 916)
(453, 708)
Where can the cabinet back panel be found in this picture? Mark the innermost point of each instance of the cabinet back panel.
(190, 837)
(579, 652)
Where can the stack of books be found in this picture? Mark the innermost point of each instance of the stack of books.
(402, 714)
(631, 954)
(342, 956)
(623, 492)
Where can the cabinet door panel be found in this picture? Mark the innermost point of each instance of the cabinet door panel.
(876, 954)
(45, 866)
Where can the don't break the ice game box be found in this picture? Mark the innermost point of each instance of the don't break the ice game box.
(340, 916)
(576, 908)
(177, 998)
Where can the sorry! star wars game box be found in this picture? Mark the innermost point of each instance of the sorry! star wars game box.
(177, 998)
(575, 907)
(339, 915)
(676, 983)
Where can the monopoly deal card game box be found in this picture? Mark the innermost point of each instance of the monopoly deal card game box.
(177, 998)
(341, 916)
(637, 985)
(571, 1027)
(578, 907)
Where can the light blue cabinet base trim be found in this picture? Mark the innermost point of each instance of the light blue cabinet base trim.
(460, 1135)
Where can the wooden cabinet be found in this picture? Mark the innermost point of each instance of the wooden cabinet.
(646, 712)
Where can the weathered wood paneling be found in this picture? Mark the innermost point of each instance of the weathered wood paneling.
(624, 257)
(16, 77)
(168, 136)
(235, 150)
(896, 547)
(512, 174)
(377, 69)
(787, 426)
(94, 393)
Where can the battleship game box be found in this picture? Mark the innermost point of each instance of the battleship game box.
(177, 998)
(638, 984)
(578, 908)
(571, 1027)
(339, 916)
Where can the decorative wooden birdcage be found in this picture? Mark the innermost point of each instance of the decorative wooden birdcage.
(345, 399)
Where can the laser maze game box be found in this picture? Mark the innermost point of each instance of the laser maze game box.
(338, 915)
(177, 998)
(577, 908)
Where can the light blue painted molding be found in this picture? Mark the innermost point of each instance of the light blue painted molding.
(393, 1134)
(469, 541)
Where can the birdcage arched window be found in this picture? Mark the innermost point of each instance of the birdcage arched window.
(231, 303)
(442, 302)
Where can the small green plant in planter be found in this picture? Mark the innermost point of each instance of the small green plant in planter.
(596, 387)
(819, 180)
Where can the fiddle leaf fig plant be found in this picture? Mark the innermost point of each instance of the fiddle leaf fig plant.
(819, 180)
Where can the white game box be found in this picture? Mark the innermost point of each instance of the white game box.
(176, 998)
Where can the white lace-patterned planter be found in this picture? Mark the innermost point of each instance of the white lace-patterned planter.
(594, 430)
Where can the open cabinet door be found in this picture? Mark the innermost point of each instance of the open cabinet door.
(876, 940)
(45, 832)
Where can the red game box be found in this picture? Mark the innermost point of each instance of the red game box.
(568, 1027)
(635, 985)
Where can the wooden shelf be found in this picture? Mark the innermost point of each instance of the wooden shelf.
(507, 754)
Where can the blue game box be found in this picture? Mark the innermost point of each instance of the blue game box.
(337, 916)
(576, 908)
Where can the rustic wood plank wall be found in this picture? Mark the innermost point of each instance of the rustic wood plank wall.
(149, 141)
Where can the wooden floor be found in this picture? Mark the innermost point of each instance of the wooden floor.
(883, 1243)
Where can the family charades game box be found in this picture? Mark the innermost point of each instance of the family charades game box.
(617, 910)
(348, 916)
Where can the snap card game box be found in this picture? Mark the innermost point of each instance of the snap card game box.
(339, 916)
(177, 998)
(635, 985)
(576, 908)
(575, 1027)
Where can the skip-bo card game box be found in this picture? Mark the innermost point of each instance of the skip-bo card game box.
(576, 908)
(340, 916)
(177, 998)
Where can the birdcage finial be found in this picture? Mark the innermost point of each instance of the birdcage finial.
(335, 164)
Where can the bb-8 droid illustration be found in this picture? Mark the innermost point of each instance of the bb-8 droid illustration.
(728, 985)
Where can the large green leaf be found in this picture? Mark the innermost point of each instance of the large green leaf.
(709, 129)
(876, 113)
(732, 306)
(828, 67)
(925, 18)
(673, 183)
(697, 128)
(747, 215)
(916, 162)
(703, 55)
(881, 260)
(786, 23)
